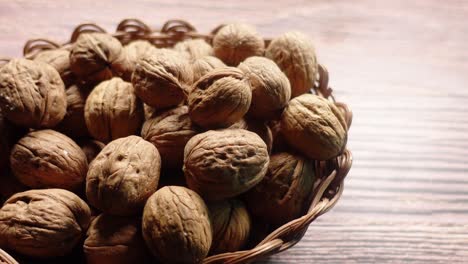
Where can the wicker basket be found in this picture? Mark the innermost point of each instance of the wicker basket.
(331, 173)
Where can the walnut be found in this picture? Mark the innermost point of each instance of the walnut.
(133, 52)
(234, 43)
(205, 65)
(43, 223)
(96, 57)
(231, 226)
(169, 132)
(295, 55)
(259, 128)
(221, 164)
(60, 60)
(74, 124)
(194, 49)
(314, 126)
(162, 79)
(32, 94)
(123, 175)
(176, 226)
(271, 90)
(113, 111)
(91, 148)
(220, 98)
(49, 159)
(279, 142)
(285, 192)
(115, 239)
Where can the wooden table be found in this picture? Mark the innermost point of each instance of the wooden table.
(403, 68)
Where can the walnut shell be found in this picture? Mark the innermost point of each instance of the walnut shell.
(49, 159)
(74, 124)
(294, 53)
(234, 43)
(220, 98)
(221, 164)
(205, 65)
(176, 226)
(271, 90)
(162, 78)
(60, 60)
(123, 175)
(231, 226)
(259, 128)
(169, 132)
(96, 57)
(113, 111)
(32, 94)
(194, 49)
(314, 126)
(133, 52)
(91, 148)
(43, 223)
(279, 142)
(115, 239)
(285, 192)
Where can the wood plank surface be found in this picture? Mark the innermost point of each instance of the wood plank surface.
(402, 66)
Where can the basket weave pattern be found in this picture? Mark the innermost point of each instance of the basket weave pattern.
(331, 173)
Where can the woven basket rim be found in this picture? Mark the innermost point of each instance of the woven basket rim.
(331, 172)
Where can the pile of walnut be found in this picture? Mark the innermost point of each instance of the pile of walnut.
(128, 153)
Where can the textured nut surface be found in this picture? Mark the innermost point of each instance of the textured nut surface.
(113, 111)
(234, 43)
(169, 132)
(271, 90)
(204, 65)
(115, 239)
(259, 128)
(231, 226)
(96, 57)
(73, 123)
(194, 49)
(133, 52)
(48, 159)
(123, 175)
(91, 148)
(314, 126)
(60, 60)
(176, 226)
(285, 192)
(224, 163)
(220, 98)
(32, 94)
(295, 55)
(162, 78)
(43, 223)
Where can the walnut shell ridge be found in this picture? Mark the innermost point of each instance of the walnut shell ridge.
(73, 123)
(205, 65)
(123, 176)
(32, 94)
(194, 49)
(259, 128)
(176, 226)
(49, 159)
(60, 60)
(133, 52)
(43, 223)
(221, 164)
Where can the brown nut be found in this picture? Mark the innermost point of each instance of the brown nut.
(60, 60)
(231, 226)
(220, 98)
(234, 43)
(221, 164)
(194, 49)
(133, 52)
(74, 124)
(259, 128)
(96, 57)
(123, 175)
(49, 159)
(285, 192)
(271, 91)
(279, 142)
(113, 111)
(162, 79)
(295, 55)
(43, 223)
(32, 94)
(176, 226)
(169, 132)
(115, 239)
(314, 126)
(91, 148)
(205, 65)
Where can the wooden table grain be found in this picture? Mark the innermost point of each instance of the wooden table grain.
(402, 66)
